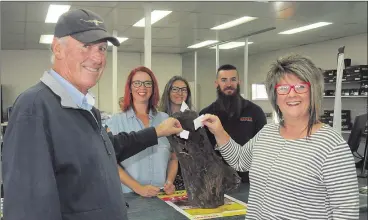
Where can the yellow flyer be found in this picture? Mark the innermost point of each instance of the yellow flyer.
(179, 201)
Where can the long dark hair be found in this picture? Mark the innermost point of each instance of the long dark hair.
(165, 104)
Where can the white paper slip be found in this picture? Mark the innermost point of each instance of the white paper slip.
(198, 122)
(184, 134)
(184, 107)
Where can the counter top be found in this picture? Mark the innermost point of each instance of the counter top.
(155, 209)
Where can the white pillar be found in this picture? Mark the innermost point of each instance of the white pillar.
(114, 76)
(195, 82)
(217, 57)
(147, 36)
(1, 128)
(245, 78)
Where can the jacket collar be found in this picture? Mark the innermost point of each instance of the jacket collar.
(65, 99)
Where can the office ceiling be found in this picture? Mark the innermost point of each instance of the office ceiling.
(22, 23)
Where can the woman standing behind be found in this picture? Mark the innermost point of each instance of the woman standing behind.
(176, 92)
(299, 168)
(156, 166)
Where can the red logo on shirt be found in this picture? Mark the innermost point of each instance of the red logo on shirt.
(246, 119)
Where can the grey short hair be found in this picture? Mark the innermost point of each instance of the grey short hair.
(304, 69)
(63, 41)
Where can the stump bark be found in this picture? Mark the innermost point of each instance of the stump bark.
(206, 177)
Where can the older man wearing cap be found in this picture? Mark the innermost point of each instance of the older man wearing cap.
(58, 161)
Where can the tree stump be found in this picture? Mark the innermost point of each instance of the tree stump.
(206, 177)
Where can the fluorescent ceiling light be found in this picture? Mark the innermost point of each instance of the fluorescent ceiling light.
(234, 23)
(305, 28)
(230, 45)
(120, 39)
(156, 15)
(55, 11)
(47, 39)
(203, 43)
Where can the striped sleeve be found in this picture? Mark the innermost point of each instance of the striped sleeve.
(340, 178)
(237, 156)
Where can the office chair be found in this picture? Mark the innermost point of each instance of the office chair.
(354, 140)
(356, 134)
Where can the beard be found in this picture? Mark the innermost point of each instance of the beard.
(230, 104)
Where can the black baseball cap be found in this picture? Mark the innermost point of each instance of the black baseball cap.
(84, 26)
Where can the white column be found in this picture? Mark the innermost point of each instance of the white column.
(1, 128)
(245, 78)
(195, 82)
(147, 35)
(217, 57)
(114, 76)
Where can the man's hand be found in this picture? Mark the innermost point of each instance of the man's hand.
(147, 190)
(169, 188)
(168, 127)
(214, 125)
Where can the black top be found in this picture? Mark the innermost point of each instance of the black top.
(241, 129)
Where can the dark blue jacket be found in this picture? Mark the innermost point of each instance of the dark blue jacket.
(58, 161)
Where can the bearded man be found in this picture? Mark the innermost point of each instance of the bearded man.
(241, 118)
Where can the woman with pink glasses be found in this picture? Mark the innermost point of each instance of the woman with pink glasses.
(299, 168)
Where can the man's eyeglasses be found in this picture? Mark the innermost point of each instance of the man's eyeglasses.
(138, 83)
(284, 89)
(178, 89)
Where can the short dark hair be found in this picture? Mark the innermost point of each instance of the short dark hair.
(226, 67)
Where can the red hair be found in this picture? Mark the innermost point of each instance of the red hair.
(128, 98)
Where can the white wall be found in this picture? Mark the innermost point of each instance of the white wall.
(23, 68)
(323, 54)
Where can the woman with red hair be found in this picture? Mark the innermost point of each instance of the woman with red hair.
(155, 167)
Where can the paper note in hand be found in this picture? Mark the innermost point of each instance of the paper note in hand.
(184, 134)
(184, 107)
(198, 122)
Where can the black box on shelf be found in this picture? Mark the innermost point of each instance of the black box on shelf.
(354, 92)
(364, 84)
(330, 79)
(352, 78)
(357, 69)
(330, 73)
(329, 92)
(326, 118)
(346, 127)
(344, 113)
(364, 76)
(345, 92)
(363, 91)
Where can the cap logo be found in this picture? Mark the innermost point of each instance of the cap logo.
(96, 22)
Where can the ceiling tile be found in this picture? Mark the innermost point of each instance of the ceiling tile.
(13, 27)
(13, 11)
(36, 28)
(12, 41)
(37, 11)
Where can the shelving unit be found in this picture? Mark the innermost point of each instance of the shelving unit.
(356, 96)
(353, 93)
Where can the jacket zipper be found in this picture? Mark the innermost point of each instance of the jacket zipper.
(105, 144)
